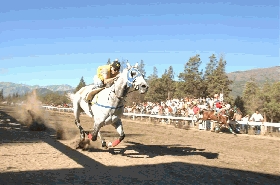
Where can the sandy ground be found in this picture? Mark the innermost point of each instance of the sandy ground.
(150, 154)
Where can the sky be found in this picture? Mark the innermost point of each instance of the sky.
(58, 42)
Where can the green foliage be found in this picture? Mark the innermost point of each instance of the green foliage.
(179, 93)
(270, 97)
(141, 68)
(191, 77)
(250, 97)
(155, 73)
(1, 95)
(239, 103)
(156, 92)
(134, 97)
(167, 82)
(80, 85)
(54, 98)
(216, 79)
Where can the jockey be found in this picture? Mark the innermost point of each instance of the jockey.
(106, 74)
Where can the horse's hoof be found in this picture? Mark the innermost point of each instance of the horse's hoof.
(103, 144)
(94, 138)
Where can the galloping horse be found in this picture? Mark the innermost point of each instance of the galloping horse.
(108, 104)
(220, 117)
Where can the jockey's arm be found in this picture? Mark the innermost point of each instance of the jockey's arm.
(109, 80)
(104, 76)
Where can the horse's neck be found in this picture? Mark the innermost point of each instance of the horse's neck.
(119, 87)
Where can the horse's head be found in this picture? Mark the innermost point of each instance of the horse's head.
(135, 78)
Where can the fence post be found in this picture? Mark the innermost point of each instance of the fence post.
(212, 127)
(262, 129)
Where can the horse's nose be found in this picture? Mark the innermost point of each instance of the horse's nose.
(144, 86)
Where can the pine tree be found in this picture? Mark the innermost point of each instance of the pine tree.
(80, 85)
(141, 68)
(191, 77)
(270, 97)
(250, 97)
(152, 79)
(168, 81)
(208, 77)
(218, 82)
(155, 72)
(239, 103)
(109, 61)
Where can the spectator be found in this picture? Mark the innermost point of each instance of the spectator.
(243, 126)
(257, 117)
(211, 103)
(174, 109)
(195, 109)
(218, 106)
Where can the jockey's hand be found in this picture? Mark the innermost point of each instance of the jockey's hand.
(116, 77)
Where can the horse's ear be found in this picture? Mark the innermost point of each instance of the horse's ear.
(136, 65)
(128, 65)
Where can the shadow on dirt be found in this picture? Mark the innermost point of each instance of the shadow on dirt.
(150, 151)
(93, 172)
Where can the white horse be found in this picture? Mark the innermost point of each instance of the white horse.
(108, 104)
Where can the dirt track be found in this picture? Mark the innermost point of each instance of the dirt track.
(150, 154)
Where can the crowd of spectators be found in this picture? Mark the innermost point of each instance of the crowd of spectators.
(179, 107)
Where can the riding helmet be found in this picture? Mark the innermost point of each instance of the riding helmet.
(116, 64)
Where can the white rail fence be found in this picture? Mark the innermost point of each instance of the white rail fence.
(168, 119)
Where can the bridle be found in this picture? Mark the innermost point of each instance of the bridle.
(130, 80)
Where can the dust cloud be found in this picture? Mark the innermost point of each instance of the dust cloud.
(35, 117)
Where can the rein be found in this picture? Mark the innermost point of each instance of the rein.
(129, 82)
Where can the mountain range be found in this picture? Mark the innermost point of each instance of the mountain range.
(13, 88)
(260, 75)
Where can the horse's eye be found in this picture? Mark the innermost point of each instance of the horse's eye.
(133, 73)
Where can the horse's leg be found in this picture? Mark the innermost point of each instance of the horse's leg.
(98, 123)
(77, 112)
(118, 126)
(228, 126)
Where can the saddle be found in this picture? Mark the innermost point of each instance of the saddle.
(88, 92)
